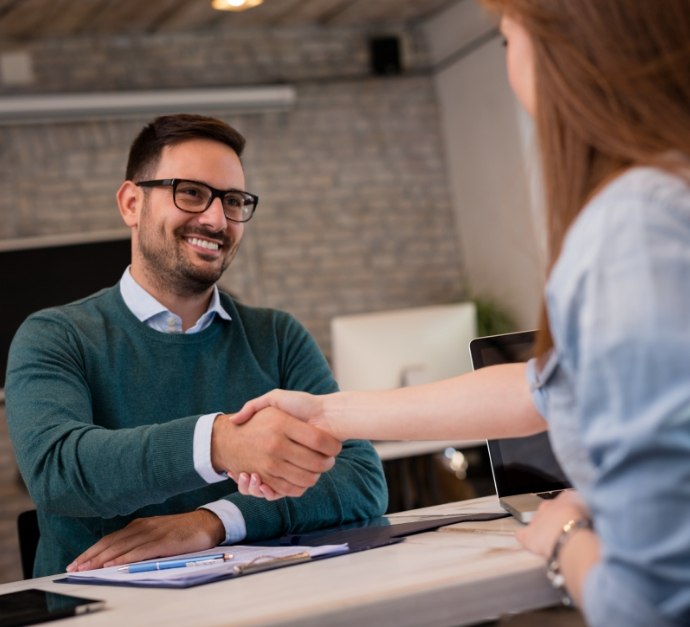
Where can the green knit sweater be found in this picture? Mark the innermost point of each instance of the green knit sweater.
(102, 409)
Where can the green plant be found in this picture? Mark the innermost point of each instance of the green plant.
(492, 318)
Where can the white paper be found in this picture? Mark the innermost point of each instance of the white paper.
(191, 575)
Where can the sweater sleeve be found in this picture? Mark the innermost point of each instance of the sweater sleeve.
(71, 465)
(354, 489)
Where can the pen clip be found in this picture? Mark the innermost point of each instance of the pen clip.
(211, 560)
(269, 562)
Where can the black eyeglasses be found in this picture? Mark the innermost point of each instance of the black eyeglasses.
(196, 197)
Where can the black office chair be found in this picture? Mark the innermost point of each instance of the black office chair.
(29, 533)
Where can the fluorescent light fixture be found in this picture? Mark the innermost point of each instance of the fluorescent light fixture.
(97, 105)
(235, 5)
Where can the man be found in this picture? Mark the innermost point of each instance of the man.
(117, 403)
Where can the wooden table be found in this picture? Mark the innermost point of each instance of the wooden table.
(457, 575)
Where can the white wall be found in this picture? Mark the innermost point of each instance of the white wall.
(489, 158)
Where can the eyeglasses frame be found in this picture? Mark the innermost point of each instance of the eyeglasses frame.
(215, 193)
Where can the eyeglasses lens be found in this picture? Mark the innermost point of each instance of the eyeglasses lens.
(195, 197)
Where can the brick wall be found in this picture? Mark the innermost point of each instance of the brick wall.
(354, 214)
(221, 58)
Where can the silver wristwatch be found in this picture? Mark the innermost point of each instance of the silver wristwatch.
(553, 565)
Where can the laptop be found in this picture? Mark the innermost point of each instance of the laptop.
(525, 470)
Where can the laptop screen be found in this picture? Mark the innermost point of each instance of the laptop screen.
(519, 465)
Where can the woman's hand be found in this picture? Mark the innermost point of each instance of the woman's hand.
(578, 554)
(252, 485)
(541, 534)
(302, 405)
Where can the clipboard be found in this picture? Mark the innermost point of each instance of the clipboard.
(246, 560)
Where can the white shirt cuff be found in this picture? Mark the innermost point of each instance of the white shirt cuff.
(202, 450)
(229, 514)
(232, 519)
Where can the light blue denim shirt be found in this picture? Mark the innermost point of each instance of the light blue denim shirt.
(616, 392)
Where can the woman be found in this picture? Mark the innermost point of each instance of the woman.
(608, 85)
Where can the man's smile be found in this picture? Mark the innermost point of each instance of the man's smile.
(203, 243)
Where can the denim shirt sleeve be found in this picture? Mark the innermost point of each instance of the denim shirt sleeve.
(537, 378)
(629, 300)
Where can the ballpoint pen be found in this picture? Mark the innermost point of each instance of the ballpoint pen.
(198, 560)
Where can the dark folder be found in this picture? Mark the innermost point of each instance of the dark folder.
(380, 531)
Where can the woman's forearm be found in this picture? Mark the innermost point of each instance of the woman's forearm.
(489, 403)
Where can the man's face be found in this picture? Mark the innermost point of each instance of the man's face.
(181, 252)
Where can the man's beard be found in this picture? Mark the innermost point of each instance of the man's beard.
(169, 267)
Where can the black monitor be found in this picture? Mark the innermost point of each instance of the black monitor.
(36, 273)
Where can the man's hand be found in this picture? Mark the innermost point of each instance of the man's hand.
(289, 455)
(157, 536)
(252, 485)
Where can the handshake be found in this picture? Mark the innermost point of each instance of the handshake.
(277, 445)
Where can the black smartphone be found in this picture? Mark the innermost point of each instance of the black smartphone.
(28, 607)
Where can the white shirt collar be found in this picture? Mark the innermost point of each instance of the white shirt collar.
(147, 309)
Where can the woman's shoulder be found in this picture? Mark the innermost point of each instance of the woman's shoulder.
(644, 185)
(641, 213)
(639, 202)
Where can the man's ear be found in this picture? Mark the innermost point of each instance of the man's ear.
(129, 201)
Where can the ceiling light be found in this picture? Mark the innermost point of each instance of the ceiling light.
(234, 5)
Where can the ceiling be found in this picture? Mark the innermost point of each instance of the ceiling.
(29, 20)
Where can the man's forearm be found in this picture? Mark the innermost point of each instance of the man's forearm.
(81, 470)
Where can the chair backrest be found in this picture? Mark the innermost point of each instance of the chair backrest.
(28, 532)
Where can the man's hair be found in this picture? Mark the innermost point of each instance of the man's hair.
(612, 87)
(169, 130)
